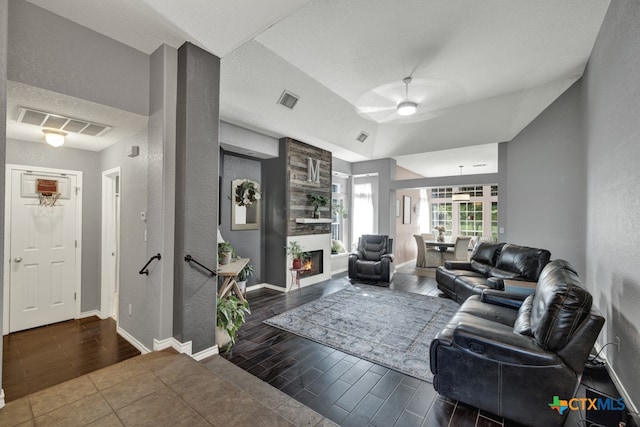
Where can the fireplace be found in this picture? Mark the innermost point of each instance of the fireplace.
(318, 246)
(314, 265)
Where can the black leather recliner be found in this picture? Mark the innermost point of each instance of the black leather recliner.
(512, 362)
(371, 262)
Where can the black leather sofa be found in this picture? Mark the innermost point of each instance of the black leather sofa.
(371, 262)
(513, 361)
(490, 265)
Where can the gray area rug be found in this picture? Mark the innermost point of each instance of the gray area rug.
(387, 327)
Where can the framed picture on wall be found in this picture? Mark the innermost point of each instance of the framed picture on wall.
(406, 210)
(245, 206)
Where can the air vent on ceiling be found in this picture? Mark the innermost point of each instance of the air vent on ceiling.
(288, 99)
(55, 121)
(480, 165)
(362, 136)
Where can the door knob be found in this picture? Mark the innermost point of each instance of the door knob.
(18, 259)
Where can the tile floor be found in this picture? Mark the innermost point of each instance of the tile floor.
(162, 389)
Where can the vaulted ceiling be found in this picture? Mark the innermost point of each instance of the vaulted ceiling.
(481, 70)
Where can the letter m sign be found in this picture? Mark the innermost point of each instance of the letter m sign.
(313, 170)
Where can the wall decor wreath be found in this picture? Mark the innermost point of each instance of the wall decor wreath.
(247, 193)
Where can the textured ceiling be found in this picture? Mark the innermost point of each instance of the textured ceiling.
(482, 69)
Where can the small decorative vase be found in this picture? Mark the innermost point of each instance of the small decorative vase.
(297, 263)
(316, 213)
(222, 337)
(225, 258)
(440, 237)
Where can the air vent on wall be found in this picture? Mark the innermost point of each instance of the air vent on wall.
(288, 99)
(362, 136)
(55, 121)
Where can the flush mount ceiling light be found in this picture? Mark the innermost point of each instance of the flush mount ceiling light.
(406, 107)
(460, 197)
(54, 138)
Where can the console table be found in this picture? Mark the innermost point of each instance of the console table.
(230, 273)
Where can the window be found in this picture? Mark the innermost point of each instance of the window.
(441, 193)
(362, 210)
(472, 191)
(494, 190)
(442, 214)
(494, 221)
(470, 219)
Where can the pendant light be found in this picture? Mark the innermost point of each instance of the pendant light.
(406, 107)
(460, 197)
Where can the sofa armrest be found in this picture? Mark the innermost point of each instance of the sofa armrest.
(502, 347)
(495, 283)
(356, 255)
(504, 299)
(458, 265)
(390, 257)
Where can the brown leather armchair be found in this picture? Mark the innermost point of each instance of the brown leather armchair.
(372, 261)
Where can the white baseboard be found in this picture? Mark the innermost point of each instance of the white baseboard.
(265, 285)
(134, 342)
(184, 348)
(173, 343)
(1, 398)
(341, 270)
(207, 352)
(90, 313)
(631, 407)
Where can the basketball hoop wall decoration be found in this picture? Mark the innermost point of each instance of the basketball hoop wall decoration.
(47, 190)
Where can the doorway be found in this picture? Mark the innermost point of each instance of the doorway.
(43, 220)
(110, 253)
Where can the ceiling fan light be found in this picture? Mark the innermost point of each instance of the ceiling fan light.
(407, 108)
(54, 138)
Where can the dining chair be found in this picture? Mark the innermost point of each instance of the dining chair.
(420, 259)
(428, 236)
(460, 251)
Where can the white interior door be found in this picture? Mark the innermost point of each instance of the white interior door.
(43, 252)
(110, 242)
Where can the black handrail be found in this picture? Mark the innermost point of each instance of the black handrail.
(189, 258)
(144, 269)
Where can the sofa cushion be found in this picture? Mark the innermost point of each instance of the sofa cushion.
(559, 305)
(484, 256)
(522, 261)
(522, 324)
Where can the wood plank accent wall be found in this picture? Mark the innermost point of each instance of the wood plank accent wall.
(298, 154)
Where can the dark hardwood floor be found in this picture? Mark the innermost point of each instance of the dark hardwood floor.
(38, 358)
(349, 390)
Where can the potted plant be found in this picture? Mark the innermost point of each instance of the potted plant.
(317, 200)
(225, 250)
(339, 211)
(244, 274)
(294, 249)
(230, 316)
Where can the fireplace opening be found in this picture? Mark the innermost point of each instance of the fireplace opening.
(313, 265)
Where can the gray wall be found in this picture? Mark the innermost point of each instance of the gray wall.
(4, 17)
(581, 155)
(162, 186)
(197, 155)
(53, 53)
(546, 182)
(246, 243)
(133, 255)
(43, 155)
(611, 103)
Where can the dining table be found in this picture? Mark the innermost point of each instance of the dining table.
(442, 246)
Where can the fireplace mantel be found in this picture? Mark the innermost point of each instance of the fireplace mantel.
(313, 220)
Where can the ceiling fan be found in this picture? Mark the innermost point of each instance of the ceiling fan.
(409, 100)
